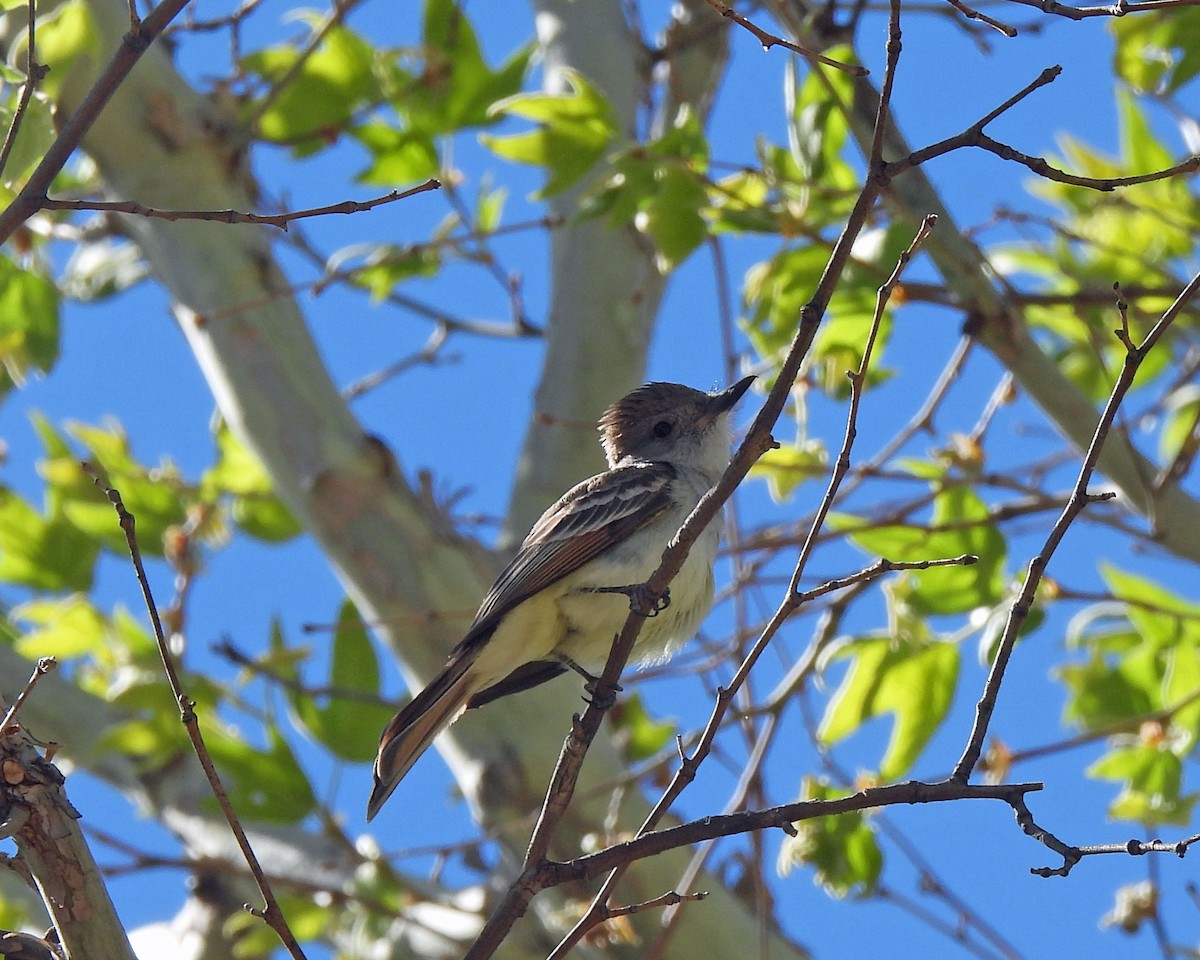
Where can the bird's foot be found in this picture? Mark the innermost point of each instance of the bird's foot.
(598, 694)
(641, 601)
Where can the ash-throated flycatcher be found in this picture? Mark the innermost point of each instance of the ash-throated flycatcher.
(566, 593)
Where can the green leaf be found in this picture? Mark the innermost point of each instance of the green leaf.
(575, 131)
(1152, 776)
(386, 265)
(960, 525)
(911, 676)
(643, 735)
(1180, 683)
(28, 321)
(100, 268)
(1102, 693)
(818, 129)
(1141, 151)
(671, 216)
(34, 138)
(1161, 618)
(453, 88)
(321, 97)
(489, 208)
(842, 849)
(266, 518)
(256, 508)
(786, 467)
(65, 32)
(46, 553)
(156, 497)
(348, 724)
(775, 290)
(265, 785)
(400, 157)
(63, 628)
(237, 470)
(151, 743)
(1157, 54)
(1180, 413)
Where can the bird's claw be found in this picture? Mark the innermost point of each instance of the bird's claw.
(601, 696)
(592, 686)
(641, 601)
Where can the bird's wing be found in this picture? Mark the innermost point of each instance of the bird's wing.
(588, 520)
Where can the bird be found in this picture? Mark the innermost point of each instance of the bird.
(560, 602)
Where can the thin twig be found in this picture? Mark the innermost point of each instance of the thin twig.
(781, 817)
(972, 14)
(974, 136)
(270, 912)
(429, 355)
(687, 769)
(280, 220)
(1012, 758)
(34, 74)
(133, 45)
(1118, 9)
(44, 666)
(769, 40)
(1079, 499)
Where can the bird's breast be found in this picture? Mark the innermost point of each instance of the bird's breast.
(592, 619)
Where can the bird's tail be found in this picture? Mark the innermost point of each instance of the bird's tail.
(414, 728)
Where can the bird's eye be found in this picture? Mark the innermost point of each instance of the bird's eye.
(663, 428)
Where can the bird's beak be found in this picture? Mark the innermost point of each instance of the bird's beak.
(726, 399)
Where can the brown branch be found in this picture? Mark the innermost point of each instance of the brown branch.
(133, 45)
(1104, 184)
(783, 817)
(687, 769)
(757, 441)
(1079, 499)
(53, 854)
(972, 14)
(280, 220)
(270, 912)
(769, 40)
(918, 157)
(428, 355)
(1118, 9)
(974, 136)
(44, 666)
(669, 899)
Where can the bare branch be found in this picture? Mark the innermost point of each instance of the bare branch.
(769, 40)
(270, 912)
(34, 74)
(1118, 9)
(972, 14)
(280, 220)
(1080, 498)
(133, 45)
(974, 136)
(44, 666)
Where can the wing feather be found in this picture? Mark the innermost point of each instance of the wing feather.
(587, 520)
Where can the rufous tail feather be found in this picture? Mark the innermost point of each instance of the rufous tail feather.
(414, 728)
